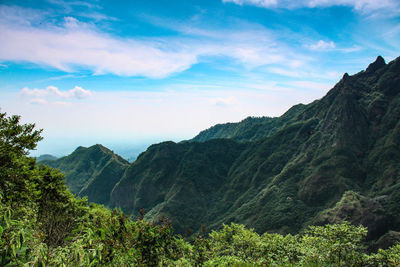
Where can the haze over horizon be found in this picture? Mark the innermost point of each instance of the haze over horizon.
(130, 74)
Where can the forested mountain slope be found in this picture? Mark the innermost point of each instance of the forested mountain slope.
(91, 172)
(249, 129)
(280, 180)
(45, 157)
(180, 181)
(337, 158)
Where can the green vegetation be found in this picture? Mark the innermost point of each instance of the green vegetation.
(249, 129)
(45, 157)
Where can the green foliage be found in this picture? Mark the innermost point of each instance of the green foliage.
(330, 245)
(58, 212)
(336, 245)
(388, 257)
(15, 142)
(16, 238)
(15, 138)
(235, 240)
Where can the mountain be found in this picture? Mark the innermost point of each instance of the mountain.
(335, 159)
(279, 173)
(249, 129)
(91, 172)
(45, 157)
(181, 181)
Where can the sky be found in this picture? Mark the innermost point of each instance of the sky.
(127, 74)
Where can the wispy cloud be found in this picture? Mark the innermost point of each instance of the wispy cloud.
(358, 5)
(260, 3)
(61, 77)
(14, 15)
(79, 44)
(305, 73)
(327, 46)
(322, 45)
(69, 5)
(96, 16)
(76, 44)
(41, 96)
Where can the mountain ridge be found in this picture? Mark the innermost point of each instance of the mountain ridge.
(249, 129)
(280, 174)
(91, 171)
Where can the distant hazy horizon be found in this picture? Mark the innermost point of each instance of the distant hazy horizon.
(129, 150)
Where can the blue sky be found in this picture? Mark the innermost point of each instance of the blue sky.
(130, 73)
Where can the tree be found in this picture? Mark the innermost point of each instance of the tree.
(15, 142)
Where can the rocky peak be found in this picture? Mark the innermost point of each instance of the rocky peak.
(379, 63)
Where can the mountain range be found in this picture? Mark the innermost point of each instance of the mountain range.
(335, 159)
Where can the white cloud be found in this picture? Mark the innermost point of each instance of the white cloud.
(321, 45)
(362, 5)
(249, 44)
(77, 44)
(79, 92)
(52, 92)
(68, 6)
(261, 3)
(20, 16)
(358, 5)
